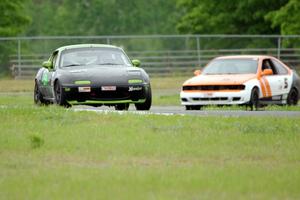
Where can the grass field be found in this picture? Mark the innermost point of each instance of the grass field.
(55, 153)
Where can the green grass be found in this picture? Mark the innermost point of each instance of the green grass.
(55, 153)
(10, 85)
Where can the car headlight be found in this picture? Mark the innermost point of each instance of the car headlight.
(134, 73)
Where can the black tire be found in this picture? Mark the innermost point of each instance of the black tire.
(123, 106)
(293, 97)
(60, 96)
(147, 104)
(193, 107)
(254, 99)
(38, 97)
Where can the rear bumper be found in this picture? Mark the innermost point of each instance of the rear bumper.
(96, 95)
(215, 98)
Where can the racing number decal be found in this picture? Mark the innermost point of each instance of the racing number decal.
(45, 78)
(285, 83)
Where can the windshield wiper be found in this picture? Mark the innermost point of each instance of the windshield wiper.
(211, 73)
(108, 63)
(71, 65)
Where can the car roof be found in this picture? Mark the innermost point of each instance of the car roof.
(244, 57)
(76, 46)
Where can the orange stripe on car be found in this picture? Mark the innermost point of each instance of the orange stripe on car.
(262, 85)
(268, 88)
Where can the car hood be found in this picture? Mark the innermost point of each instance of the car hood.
(104, 75)
(219, 79)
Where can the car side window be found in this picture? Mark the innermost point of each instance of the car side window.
(267, 64)
(279, 67)
(55, 60)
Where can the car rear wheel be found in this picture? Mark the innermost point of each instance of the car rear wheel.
(123, 106)
(147, 104)
(60, 96)
(193, 107)
(38, 97)
(254, 99)
(292, 97)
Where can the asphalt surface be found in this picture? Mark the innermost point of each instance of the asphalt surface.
(179, 110)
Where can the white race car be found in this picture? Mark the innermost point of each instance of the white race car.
(243, 80)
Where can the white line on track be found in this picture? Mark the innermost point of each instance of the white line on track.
(107, 111)
(178, 110)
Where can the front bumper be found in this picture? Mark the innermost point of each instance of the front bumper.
(96, 95)
(215, 98)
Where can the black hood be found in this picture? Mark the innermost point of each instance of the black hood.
(101, 75)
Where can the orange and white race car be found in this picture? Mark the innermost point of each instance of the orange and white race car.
(243, 80)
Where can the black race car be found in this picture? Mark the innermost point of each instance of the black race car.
(92, 74)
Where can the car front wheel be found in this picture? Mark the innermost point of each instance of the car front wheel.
(292, 97)
(60, 96)
(147, 104)
(254, 99)
(38, 97)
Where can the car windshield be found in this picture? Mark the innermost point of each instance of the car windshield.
(231, 66)
(93, 56)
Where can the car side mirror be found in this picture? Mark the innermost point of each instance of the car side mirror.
(136, 63)
(267, 72)
(197, 72)
(47, 64)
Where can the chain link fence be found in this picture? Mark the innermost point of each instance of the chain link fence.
(161, 55)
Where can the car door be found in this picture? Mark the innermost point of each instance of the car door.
(283, 76)
(44, 82)
(272, 83)
(279, 82)
(48, 76)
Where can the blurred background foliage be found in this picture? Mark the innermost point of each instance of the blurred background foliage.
(101, 17)
(143, 17)
(124, 17)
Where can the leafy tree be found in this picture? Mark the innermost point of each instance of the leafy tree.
(13, 21)
(227, 16)
(42, 14)
(287, 18)
(12, 18)
(102, 17)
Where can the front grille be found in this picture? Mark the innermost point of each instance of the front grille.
(213, 87)
(121, 93)
(236, 98)
(211, 99)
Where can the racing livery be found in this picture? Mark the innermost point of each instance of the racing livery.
(92, 74)
(252, 80)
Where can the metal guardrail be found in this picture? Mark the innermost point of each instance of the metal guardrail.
(175, 54)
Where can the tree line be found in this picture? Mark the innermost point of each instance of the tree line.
(121, 17)
(140, 17)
